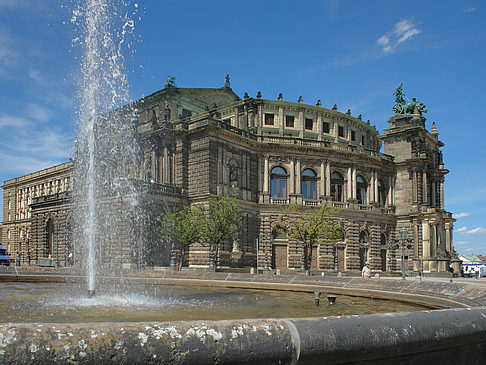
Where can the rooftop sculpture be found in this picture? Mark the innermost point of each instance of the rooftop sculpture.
(406, 106)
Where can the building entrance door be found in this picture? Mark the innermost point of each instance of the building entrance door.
(340, 253)
(314, 265)
(361, 257)
(280, 256)
(383, 259)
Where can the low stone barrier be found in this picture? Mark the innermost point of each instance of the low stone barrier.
(450, 336)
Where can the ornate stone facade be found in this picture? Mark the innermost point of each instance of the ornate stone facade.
(201, 143)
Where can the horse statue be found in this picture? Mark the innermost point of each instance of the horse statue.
(406, 106)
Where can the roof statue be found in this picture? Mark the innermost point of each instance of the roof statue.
(170, 81)
(227, 81)
(406, 106)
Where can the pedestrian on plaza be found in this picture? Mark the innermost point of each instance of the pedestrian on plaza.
(18, 258)
(366, 272)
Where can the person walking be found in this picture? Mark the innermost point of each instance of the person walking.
(366, 272)
(18, 258)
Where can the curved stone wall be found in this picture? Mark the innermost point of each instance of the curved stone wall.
(449, 336)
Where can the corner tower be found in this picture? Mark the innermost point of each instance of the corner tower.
(419, 184)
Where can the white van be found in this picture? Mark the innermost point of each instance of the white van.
(4, 257)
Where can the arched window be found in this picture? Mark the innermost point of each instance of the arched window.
(381, 193)
(383, 239)
(279, 233)
(309, 179)
(337, 183)
(278, 183)
(361, 187)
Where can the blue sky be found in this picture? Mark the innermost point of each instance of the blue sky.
(349, 53)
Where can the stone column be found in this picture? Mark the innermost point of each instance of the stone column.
(425, 240)
(328, 179)
(353, 184)
(292, 177)
(322, 185)
(165, 166)
(260, 174)
(390, 190)
(424, 186)
(442, 194)
(375, 182)
(433, 192)
(300, 123)
(448, 229)
(349, 186)
(298, 188)
(265, 176)
(280, 121)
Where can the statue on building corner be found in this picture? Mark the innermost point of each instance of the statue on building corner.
(227, 81)
(170, 81)
(406, 106)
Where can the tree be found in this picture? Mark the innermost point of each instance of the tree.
(182, 228)
(310, 227)
(222, 221)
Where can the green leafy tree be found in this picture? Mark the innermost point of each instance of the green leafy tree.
(182, 228)
(221, 223)
(310, 227)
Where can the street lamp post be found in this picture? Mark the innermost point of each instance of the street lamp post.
(404, 242)
(57, 242)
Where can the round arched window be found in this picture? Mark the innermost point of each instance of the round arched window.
(309, 179)
(361, 187)
(337, 183)
(278, 182)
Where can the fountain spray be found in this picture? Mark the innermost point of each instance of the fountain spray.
(105, 132)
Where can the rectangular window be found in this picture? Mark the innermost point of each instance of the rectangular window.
(289, 121)
(363, 140)
(341, 131)
(269, 119)
(325, 127)
(309, 124)
(353, 136)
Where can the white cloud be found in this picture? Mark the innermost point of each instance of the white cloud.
(13, 121)
(462, 229)
(478, 230)
(469, 9)
(404, 30)
(38, 112)
(462, 215)
(461, 243)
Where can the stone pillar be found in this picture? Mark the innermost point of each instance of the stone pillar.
(328, 179)
(300, 123)
(448, 229)
(353, 183)
(424, 186)
(166, 166)
(433, 192)
(298, 188)
(292, 177)
(375, 182)
(389, 195)
(349, 186)
(414, 186)
(425, 240)
(260, 120)
(265, 176)
(280, 121)
(442, 194)
(260, 174)
(322, 185)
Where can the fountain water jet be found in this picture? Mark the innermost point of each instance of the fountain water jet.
(106, 138)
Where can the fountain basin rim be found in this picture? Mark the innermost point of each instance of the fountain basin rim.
(425, 298)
